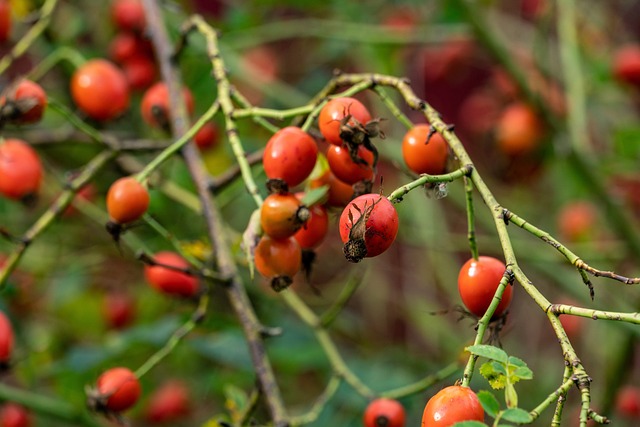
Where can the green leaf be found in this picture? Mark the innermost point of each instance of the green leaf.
(489, 351)
(511, 396)
(489, 403)
(499, 368)
(523, 373)
(496, 379)
(517, 415)
(315, 195)
(469, 424)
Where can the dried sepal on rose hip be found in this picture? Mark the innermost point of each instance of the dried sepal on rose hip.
(383, 412)
(368, 227)
(278, 260)
(282, 215)
(23, 102)
(347, 123)
(116, 390)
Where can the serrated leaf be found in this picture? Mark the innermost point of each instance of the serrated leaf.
(496, 379)
(517, 415)
(515, 361)
(489, 352)
(489, 403)
(522, 373)
(510, 396)
(469, 424)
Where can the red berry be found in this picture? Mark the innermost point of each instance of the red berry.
(100, 89)
(5, 20)
(6, 340)
(125, 46)
(626, 64)
(518, 131)
(118, 310)
(345, 169)
(478, 281)
(140, 72)
(282, 214)
(451, 405)
(170, 402)
(20, 169)
(628, 402)
(278, 260)
(127, 200)
(25, 102)
(117, 390)
(422, 157)
(576, 220)
(337, 109)
(384, 412)
(170, 281)
(155, 104)
(262, 63)
(368, 226)
(290, 155)
(128, 15)
(207, 137)
(14, 415)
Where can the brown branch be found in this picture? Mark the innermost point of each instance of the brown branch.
(215, 229)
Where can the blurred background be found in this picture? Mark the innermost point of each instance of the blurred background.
(494, 69)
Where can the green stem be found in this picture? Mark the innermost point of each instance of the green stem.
(63, 53)
(21, 47)
(48, 406)
(168, 236)
(244, 102)
(312, 414)
(270, 113)
(347, 292)
(423, 384)
(75, 121)
(323, 97)
(595, 314)
(397, 195)
(53, 212)
(471, 229)
(175, 339)
(483, 323)
(573, 78)
(397, 113)
(338, 364)
(557, 413)
(224, 97)
(177, 146)
(557, 396)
